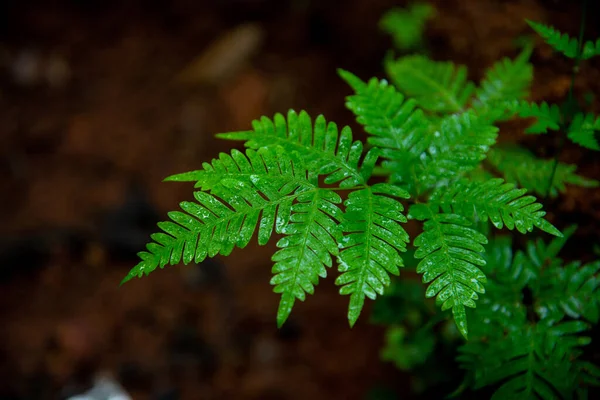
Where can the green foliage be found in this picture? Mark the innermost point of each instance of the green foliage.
(585, 131)
(431, 144)
(437, 86)
(371, 244)
(563, 43)
(505, 81)
(537, 358)
(522, 167)
(449, 249)
(546, 116)
(406, 25)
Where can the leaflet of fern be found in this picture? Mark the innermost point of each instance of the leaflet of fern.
(521, 167)
(547, 117)
(228, 216)
(590, 49)
(437, 86)
(497, 201)
(578, 296)
(450, 252)
(406, 25)
(530, 363)
(565, 44)
(311, 238)
(371, 245)
(585, 131)
(506, 80)
(395, 126)
(458, 147)
(323, 150)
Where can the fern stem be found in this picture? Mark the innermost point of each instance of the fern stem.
(567, 111)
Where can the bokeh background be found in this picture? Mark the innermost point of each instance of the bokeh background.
(102, 99)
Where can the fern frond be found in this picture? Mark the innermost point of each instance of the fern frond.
(572, 291)
(451, 260)
(590, 49)
(494, 200)
(560, 42)
(585, 131)
(531, 363)
(502, 307)
(311, 239)
(459, 146)
(521, 167)
(547, 117)
(563, 43)
(373, 239)
(217, 222)
(395, 125)
(406, 25)
(437, 86)
(324, 151)
(506, 80)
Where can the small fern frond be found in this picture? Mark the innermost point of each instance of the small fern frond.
(521, 167)
(560, 42)
(311, 239)
(572, 291)
(585, 131)
(324, 151)
(590, 49)
(406, 25)
(395, 125)
(506, 80)
(547, 117)
(437, 86)
(508, 274)
(459, 146)
(373, 239)
(534, 362)
(565, 44)
(494, 200)
(451, 259)
(227, 217)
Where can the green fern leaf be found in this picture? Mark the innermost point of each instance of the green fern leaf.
(451, 257)
(437, 86)
(506, 80)
(572, 291)
(395, 126)
(496, 201)
(324, 151)
(279, 193)
(547, 117)
(502, 307)
(521, 167)
(311, 239)
(560, 42)
(371, 244)
(565, 44)
(585, 131)
(535, 362)
(406, 26)
(216, 223)
(459, 146)
(590, 49)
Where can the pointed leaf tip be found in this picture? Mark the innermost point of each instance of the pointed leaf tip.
(285, 308)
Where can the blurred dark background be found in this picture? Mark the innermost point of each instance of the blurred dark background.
(100, 100)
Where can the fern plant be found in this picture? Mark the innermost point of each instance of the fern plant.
(430, 156)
